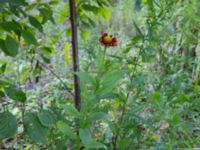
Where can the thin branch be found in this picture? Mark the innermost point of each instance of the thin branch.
(57, 76)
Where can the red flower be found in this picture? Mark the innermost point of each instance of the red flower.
(108, 40)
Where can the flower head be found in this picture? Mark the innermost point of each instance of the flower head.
(108, 40)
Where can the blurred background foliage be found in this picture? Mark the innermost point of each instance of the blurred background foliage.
(145, 94)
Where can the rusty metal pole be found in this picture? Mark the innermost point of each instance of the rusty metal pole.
(77, 97)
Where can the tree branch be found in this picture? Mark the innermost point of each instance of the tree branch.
(52, 72)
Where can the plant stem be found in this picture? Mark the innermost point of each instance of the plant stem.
(77, 94)
(77, 97)
(104, 55)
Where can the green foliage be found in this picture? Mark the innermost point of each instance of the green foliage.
(65, 129)
(35, 129)
(8, 125)
(142, 94)
(88, 141)
(11, 46)
(47, 118)
(15, 94)
(29, 37)
(35, 23)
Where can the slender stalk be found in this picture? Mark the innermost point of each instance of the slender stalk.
(77, 97)
(103, 62)
(77, 92)
(23, 114)
(57, 76)
(104, 53)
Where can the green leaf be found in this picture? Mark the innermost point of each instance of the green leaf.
(14, 2)
(46, 59)
(63, 13)
(47, 50)
(112, 78)
(3, 68)
(15, 94)
(3, 47)
(109, 81)
(86, 78)
(175, 120)
(91, 22)
(65, 129)
(87, 140)
(8, 125)
(85, 35)
(105, 12)
(11, 46)
(47, 118)
(46, 14)
(35, 130)
(10, 26)
(88, 7)
(180, 98)
(68, 33)
(5, 82)
(156, 97)
(108, 95)
(35, 23)
(139, 32)
(71, 110)
(99, 116)
(29, 37)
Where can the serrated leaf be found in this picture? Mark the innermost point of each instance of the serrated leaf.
(71, 111)
(8, 125)
(35, 130)
(87, 140)
(15, 94)
(65, 129)
(47, 118)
